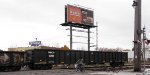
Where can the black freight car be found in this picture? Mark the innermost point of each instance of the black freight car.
(45, 58)
(11, 60)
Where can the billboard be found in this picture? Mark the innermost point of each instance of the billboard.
(74, 14)
(87, 17)
(79, 15)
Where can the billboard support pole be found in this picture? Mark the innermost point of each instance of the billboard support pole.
(88, 39)
(70, 37)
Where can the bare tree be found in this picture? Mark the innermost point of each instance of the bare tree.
(110, 49)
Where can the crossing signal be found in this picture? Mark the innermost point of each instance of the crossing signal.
(147, 42)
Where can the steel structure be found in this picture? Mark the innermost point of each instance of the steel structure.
(88, 27)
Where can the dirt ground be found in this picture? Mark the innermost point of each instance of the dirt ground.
(46, 72)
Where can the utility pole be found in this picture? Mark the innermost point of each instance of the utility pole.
(144, 38)
(137, 35)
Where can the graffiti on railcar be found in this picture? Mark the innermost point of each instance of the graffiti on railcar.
(4, 58)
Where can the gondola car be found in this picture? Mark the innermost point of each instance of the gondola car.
(46, 58)
(11, 60)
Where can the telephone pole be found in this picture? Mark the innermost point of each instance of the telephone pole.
(144, 38)
(137, 35)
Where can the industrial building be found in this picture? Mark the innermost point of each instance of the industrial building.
(37, 47)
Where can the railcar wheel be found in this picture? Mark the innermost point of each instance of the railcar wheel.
(46, 67)
(18, 68)
(2, 69)
(31, 67)
(50, 67)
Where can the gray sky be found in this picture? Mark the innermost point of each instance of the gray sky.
(22, 21)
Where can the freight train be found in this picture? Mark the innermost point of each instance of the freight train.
(46, 58)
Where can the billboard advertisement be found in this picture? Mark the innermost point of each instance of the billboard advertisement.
(87, 17)
(73, 14)
(79, 15)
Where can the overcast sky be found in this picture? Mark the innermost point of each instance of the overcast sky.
(21, 21)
